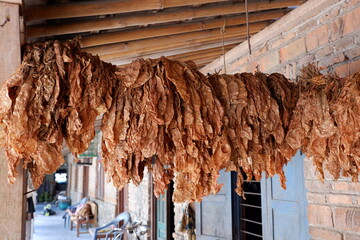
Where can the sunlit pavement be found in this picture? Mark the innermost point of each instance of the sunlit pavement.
(52, 227)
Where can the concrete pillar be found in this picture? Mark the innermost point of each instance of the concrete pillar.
(12, 219)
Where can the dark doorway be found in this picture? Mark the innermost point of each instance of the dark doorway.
(163, 215)
(247, 213)
(85, 190)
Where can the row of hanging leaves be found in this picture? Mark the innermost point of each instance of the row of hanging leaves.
(168, 117)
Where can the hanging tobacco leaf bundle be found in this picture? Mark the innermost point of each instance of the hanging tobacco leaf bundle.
(258, 110)
(56, 93)
(164, 116)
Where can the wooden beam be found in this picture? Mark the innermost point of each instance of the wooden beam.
(201, 58)
(183, 50)
(168, 40)
(208, 58)
(204, 62)
(194, 54)
(146, 19)
(205, 57)
(94, 8)
(142, 33)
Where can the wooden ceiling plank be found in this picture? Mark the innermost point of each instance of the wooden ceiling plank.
(201, 52)
(180, 50)
(94, 8)
(203, 57)
(201, 62)
(140, 51)
(142, 33)
(146, 19)
(209, 54)
(179, 38)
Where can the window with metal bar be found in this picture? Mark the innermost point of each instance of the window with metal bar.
(247, 217)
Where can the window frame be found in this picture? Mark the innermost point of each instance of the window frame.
(100, 181)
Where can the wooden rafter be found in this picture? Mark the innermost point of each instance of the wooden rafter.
(180, 50)
(153, 18)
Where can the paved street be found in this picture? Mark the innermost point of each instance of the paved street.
(52, 227)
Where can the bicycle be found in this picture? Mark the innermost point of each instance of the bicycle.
(135, 227)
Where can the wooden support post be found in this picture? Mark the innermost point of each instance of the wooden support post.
(12, 200)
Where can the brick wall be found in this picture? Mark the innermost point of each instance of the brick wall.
(75, 192)
(333, 207)
(327, 32)
(139, 201)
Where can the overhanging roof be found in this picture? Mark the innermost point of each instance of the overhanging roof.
(121, 31)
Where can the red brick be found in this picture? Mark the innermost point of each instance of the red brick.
(305, 60)
(325, 51)
(318, 186)
(329, 16)
(277, 43)
(349, 236)
(317, 38)
(341, 186)
(320, 215)
(347, 219)
(332, 60)
(346, 70)
(268, 61)
(319, 233)
(340, 199)
(336, 29)
(353, 53)
(292, 50)
(354, 67)
(357, 39)
(344, 43)
(342, 70)
(352, 21)
(316, 198)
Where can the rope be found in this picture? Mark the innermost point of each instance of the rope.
(222, 31)
(247, 26)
